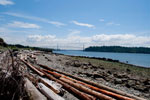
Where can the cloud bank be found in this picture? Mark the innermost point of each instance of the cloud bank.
(76, 41)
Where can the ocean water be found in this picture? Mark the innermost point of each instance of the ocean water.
(131, 58)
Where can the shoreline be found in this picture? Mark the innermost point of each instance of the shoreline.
(124, 77)
(105, 59)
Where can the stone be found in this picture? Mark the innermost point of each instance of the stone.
(118, 81)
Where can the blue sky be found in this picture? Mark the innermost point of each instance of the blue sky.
(72, 23)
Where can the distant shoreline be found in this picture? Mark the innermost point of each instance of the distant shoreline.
(104, 59)
(118, 49)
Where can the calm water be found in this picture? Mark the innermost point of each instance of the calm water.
(132, 58)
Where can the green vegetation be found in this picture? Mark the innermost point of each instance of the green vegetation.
(18, 46)
(118, 49)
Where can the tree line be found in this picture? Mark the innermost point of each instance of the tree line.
(118, 49)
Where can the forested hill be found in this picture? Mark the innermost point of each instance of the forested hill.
(118, 49)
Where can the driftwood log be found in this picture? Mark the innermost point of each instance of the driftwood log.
(49, 93)
(75, 92)
(32, 91)
(101, 86)
(114, 95)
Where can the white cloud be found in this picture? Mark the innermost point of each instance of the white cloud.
(19, 24)
(6, 2)
(101, 20)
(56, 23)
(76, 41)
(112, 23)
(83, 24)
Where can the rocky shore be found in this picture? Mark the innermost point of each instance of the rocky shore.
(120, 76)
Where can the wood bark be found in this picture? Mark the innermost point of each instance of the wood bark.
(33, 68)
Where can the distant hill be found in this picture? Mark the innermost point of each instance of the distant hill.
(118, 49)
(2, 42)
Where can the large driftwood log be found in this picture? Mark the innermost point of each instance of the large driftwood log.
(101, 86)
(87, 90)
(75, 92)
(33, 68)
(81, 88)
(116, 96)
(55, 87)
(33, 92)
(49, 93)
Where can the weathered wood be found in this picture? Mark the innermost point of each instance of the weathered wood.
(87, 90)
(116, 96)
(33, 92)
(49, 86)
(101, 86)
(33, 68)
(79, 87)
(48, 92)
(75, 92)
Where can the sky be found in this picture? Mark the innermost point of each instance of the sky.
(72, 24)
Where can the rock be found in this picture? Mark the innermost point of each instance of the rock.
(121, 75)
(109, 72)
(128, 70)
(140, 88)
(147, 82)
(76, 64)
(118, 81)
(67, 63)
(85, 67)
(130, 83)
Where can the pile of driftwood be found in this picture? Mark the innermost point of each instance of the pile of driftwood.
(80, 88)
(11, 78)
(26, 80)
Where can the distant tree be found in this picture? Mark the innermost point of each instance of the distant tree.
(118, 49)
(2, 42)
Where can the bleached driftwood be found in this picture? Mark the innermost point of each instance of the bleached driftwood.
(33, 92)
(48, 92)
(54, 86)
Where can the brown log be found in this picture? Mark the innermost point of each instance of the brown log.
(75, 92)
(33, 68)
(116, 96)
(87, 90)
(101, 86)
(79, 87)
